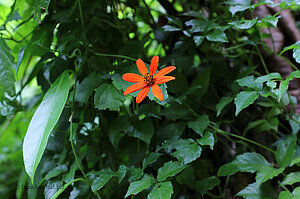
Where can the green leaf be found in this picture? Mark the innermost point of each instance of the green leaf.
(207, 139)
(266, 173)
(198, 25)
(169, 169)
(296, 51)
(270, 20)
(187, 177)
(108, 97)
(244, 99)
(224, 101)
(121, 173)
(151, 158)
(294, 125)
(186, 150)
(116, 131)
(206, 184)
(163, 190)
(247, 162)
(243, 24)
(85, 88)
(249, 81)
(7, 84)
(238, 5)
(139, 185)
(285, 150)
(268, 77)
(217, 36)
(39, 6)
(291, 178)
(252, 191)
(43, 122)
(285, 195)
(169, 28)
(102, 179)
(198, 40)
(200, 124)
(142, 130)
(56, 171)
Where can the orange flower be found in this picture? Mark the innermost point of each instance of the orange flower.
(148, 80)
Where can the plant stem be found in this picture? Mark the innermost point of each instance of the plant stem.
(240, 137)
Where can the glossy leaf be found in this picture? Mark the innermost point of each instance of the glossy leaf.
(139, 185)
(163, 190)
(43, 122)
(169, 169)
(244, 99)
(207, 139)
(291, 178)
(217, 36)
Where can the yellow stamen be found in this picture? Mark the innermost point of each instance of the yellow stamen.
(148, 79)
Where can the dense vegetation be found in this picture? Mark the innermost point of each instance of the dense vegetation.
(227, 127)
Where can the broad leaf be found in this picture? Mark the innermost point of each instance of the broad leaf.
(169, 169)
(207, 139)
(291, 178)
(285, 150)
(162, 190)
(108, 97)
(43, 122)
(139, 185)
(222, 103)
(102, 179)
(217, 36)
(244, 99)
(200, 124)
(206, 184)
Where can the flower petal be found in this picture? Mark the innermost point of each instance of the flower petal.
(163, 79)
(141, 66)
(153, 65)
(157, 92)
(134, 88)
(165, 71)
(142, 94)
(132, 77)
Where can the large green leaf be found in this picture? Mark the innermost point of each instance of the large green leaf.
(6, 73)
(247, 162)
(169, 169)
(162, 190)
(285, 150)
(108, 97)
(291, 178)
(244, 99)
(43, 122)
(200, 124)
(139, 185)
(104, 176)
(206, 184)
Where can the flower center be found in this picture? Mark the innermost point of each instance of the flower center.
(148, 79)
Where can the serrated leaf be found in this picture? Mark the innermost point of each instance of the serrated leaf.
(285, 150)
(247, 162)
(43, 122)
(291, 178)
(217, 36)
(207, 139)
(169, 169)
(139, 185)
(224, 101)
(108, 97)
(162, 190)
(200, 124)
(244, 99)
(206, 184)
